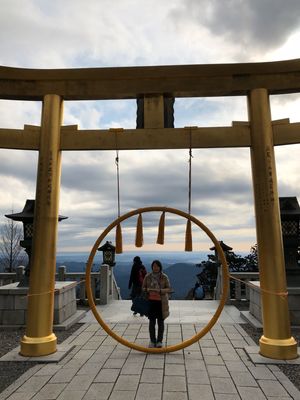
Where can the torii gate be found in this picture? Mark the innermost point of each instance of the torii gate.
(254, 80)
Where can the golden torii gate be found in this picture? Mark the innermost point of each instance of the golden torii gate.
(254, 80)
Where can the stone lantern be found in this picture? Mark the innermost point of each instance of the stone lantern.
(109, 252)
(290, 225)
(27, 216)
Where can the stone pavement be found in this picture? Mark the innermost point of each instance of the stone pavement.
(215, 368)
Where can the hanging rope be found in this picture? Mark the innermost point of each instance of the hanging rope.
(118, 181)
(119, 243)
(188, 230)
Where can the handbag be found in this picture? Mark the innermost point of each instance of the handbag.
(141, 305)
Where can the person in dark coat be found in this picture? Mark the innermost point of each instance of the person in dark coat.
(137, 275)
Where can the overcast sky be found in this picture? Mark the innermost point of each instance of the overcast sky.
(106, 33)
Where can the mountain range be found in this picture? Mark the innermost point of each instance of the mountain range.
(182, 276)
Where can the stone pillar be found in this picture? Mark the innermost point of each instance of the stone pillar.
(276, 341)
(104, 283)
(39, 338)
(62, 269)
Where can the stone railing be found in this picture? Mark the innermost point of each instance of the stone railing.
(239, 290)
(103, 283)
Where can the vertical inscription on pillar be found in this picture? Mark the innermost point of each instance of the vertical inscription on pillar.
(49, 177)
(270, 178)
(265, 188)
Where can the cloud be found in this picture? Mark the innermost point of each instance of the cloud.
(251, 27)
(99, 33)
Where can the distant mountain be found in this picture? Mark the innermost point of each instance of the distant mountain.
(182, 276)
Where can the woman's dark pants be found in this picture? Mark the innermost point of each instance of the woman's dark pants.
(155, 314)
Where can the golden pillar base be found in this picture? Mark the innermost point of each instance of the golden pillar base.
(38, 346)
(279, 349)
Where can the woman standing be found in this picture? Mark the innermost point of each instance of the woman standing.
(157, 286)
(137, 275)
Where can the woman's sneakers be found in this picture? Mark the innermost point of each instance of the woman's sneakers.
(152, 345)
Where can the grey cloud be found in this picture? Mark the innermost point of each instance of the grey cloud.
(248, 23)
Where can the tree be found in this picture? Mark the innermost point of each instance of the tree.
(236, 263)
(252, 259)
(11, 253)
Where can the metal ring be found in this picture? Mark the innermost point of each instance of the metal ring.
(197, 336)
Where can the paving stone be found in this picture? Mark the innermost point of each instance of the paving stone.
(221, 339)
(243, 379)
(50, 391)
(152, 375)
(235, 366)
(174, 384)
(197, 392)
(20, 396)
(194, 355)
(107, 375)
(223, 385)
(91, 345)
(84, 354)
(49, 370)
(250, 393)
(175, 396)
(71, 395)
(90, 369)
(221, 396)
(272, 388)
(174, 359)
(225, 347)
(20, 381)
(230, 356)
(291, 389)
(131, 368)
(174, 369)
(210, 351)
(240, 344)
(80, 382)
(213, 360)
(64, 375)
(122, 395)
(207, 343)
(83, 338)
(154, 362)
(261, 372)
(149, 391)
(136, 357)
(34, 384)
(127, 382)
(120, 354)
(98, 391)
(191, 364)
(74, 364)
(217, 371)
(114, 363)
(197, 377)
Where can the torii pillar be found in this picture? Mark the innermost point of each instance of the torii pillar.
(39, 338)
(276, 341)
